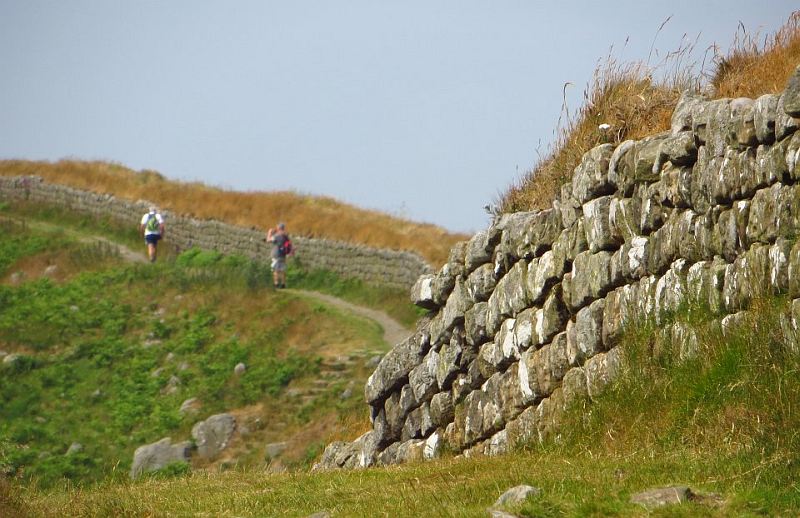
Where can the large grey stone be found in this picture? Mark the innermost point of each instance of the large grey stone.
(422, 292)
(600, 233)
(155, 456)
(590, 178)
(791, 95)
(481, 283)
(394, 367)
(584, 338)
(213, 435)
(764, 115)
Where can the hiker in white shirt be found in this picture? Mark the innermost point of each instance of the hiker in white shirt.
(152, 229)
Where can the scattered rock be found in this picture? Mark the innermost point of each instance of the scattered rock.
(662, 496)
(50, 270)
(74, 448)
(516, 495)
(213, 435)
(39, 419)
(97, 394)
(169, 357)
(152, 457)
(320, 514)
(274, 449)
(239, 369)
(17, 278)
(156, 373)
(10, 358)
(3, 354)
(183, 366)
(346, 393)
(74, 308)
(172, 385)
(374, 361)
(190, 406)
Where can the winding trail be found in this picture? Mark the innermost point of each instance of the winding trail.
(393, 331)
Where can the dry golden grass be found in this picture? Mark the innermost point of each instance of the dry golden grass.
(634, 104)
(310, 216)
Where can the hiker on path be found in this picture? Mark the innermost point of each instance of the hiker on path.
(281, 248)
(152, 229)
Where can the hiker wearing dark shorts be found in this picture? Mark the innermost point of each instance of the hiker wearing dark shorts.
(152, 229)
(281, 247)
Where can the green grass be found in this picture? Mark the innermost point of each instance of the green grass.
(97, 353)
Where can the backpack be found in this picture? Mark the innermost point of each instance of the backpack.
(286, 247)
(152, 224)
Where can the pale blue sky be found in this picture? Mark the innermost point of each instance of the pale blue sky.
(423, 109)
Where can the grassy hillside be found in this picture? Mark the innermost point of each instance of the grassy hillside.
(107, 351)
(723, 422)
(637, 100)
(310, 216)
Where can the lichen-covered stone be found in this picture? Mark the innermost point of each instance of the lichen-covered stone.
(457, 305)
(479, 250)
(591, 278)
(441, 409)
(621, 171)
(422, 292)
(600, 233)
(475, 323)
(394, 367)
(791, 95)
(590, 178)
(422, 378)
(601, 369)
(647, 157)
(764, 114)
(551, 318)
(509, 297)
(682, 116)
(481, 283)
(772, 213)
(543, 272)
(584, 338)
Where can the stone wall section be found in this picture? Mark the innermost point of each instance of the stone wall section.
(527, 315)
(397, 269)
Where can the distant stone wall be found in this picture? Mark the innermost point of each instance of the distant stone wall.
(528, 315)
(391, 268)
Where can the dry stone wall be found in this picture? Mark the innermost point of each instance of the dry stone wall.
(391, 268)
(527, 315)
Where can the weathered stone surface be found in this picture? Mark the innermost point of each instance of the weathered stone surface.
(785, 124)
(551, 318)
(764, 115)
(422, 378)
(742, 132)
(682, 117)
(600, 233)
(621, 167)
(213, 435)
(475, 323)
(647, 158)
(477, 417)
(746, 278)
(633, 260)
(547, 366)
(496, 356)
(676, 186)
(584, 338)
(543, 272)
(452, 358)
(652, 212)
(479, 250)
(509, 297)
(704, 282)
(574, 386)
(394, 367)
(660, 497)
(152, 457)
(457, 305)
(773, 213)
(481, 283)
(590, 178)
(791, 95)
(792, 156)
(569, 207)
(528, 234)
(422, 292)
(441, 409)
(523, 428)
(418, 423)
(671, 290)
(601, 369)
(516, 495)
(591, 278)
(679, 149)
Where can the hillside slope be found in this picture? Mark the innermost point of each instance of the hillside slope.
(101, 350)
